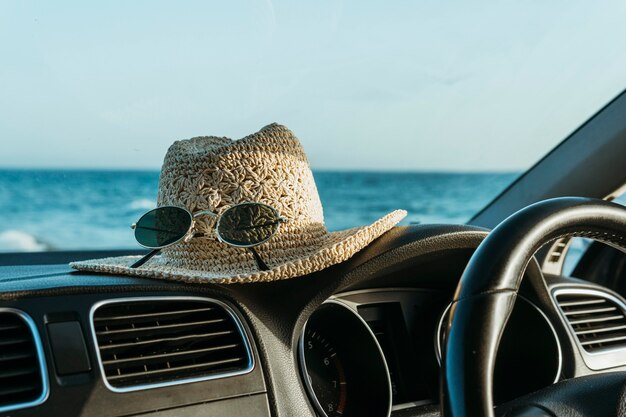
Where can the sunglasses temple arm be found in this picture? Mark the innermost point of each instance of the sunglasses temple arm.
(259, 261)
(145, 258)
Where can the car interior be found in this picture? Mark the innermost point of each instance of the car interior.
(430, 319)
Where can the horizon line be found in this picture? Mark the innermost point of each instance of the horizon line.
(329, 170)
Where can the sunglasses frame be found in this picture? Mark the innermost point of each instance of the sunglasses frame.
(185, 236)
(190, 234)
(219, 217)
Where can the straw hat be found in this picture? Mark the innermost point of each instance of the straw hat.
(213, 173)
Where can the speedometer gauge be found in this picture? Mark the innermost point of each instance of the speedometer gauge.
(343, 368)
(325, 374)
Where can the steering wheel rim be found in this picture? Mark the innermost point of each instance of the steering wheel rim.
(486, 293)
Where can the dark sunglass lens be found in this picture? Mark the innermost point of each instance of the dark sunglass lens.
(162, 226)
(248, 224)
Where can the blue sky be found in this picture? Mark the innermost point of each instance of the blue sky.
(426, 85)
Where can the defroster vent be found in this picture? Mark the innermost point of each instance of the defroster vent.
(151, 342)
(23, 379)
(598, 319)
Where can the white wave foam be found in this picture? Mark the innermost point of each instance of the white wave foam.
(18, 241)
(142, 204)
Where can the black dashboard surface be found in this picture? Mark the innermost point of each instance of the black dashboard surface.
(410, 261)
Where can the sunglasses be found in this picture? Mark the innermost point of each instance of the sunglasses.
(244, 225)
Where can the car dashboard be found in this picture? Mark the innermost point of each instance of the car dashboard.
(364, 337)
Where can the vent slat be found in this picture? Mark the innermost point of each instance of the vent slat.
(582, 302)
(159, 314)
(14, 356)
(149, 342)
(601, 329)
(12, 373)
(18, 389)
(178, 369)
(21, 379)
(154, 329)
(9, 326)
(598, 321)
(590, 311)
(148, 358)
(198, 337)
(12, 340)
(605, 340)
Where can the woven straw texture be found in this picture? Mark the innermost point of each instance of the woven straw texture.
(216, 173)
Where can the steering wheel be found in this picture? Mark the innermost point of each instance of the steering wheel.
(484, 299)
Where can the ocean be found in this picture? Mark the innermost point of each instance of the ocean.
(83, 209)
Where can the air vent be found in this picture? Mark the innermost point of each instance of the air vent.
(598, 319)
(23, 380)
(152, 342)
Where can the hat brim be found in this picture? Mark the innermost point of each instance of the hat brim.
(335, 248)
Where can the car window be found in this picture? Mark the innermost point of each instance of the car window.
(579, 245)
(432, 107)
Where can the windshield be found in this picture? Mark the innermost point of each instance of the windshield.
(432, 107)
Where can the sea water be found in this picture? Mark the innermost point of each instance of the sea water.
(81, 209)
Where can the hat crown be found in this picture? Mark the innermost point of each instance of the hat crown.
(215, 173)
